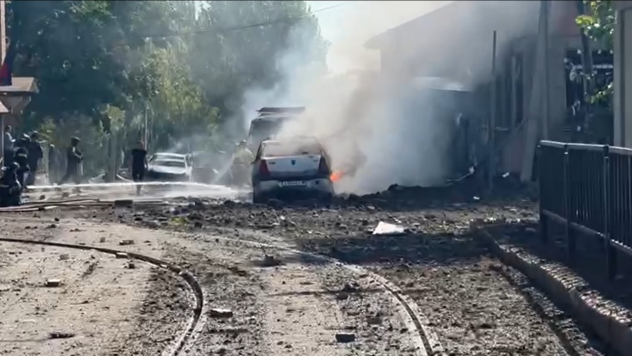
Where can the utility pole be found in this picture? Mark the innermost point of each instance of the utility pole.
(537, 126)
(3, 53)
(146, 135)
(491, 127)
(544, 9)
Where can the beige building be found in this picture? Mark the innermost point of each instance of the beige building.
(456, 42)
(13, 98)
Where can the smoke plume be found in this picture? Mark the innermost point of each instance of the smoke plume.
(380, 125)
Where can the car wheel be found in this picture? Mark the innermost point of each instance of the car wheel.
(327, 198)
(258, 198)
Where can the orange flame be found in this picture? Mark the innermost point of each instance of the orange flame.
(336, 176)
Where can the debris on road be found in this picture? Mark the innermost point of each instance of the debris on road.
(269, 260)
(387, 229)
(345, 337)
(60, 335)
(352, 287)
(52, 283)
(221, 313)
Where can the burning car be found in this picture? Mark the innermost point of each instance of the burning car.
(289, 168)
(169, 167)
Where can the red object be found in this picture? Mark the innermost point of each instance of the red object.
(6, 71)
(263, 168)
(323, 167)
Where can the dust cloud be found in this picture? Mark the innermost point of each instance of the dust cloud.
(382, 126)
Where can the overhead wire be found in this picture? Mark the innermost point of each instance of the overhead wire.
(285, 19)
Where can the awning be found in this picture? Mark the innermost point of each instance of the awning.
(3, 109)
(22, 86)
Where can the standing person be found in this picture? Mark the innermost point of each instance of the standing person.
(35, 155)
(242, 159)
(10, 189)
(21, 157)
(53, 164)
(8, 145)
(139, 164)
(73, 164)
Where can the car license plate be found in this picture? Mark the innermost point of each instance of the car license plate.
(297, 183)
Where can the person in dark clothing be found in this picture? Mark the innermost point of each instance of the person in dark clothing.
(10, 188)
(21, 157)
(35, 154)
(139, 164)
(73, 164)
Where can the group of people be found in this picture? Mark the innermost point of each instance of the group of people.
(23, 154)
(22, 158)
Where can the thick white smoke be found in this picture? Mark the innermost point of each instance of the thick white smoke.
(400, 134)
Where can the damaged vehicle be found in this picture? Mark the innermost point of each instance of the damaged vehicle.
(293, 168)
(169, 167)
(269, 122)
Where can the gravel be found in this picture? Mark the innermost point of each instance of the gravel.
(473, 308)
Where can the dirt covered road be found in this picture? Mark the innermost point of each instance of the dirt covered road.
(104, 305)
(464, 292)
(272, 298)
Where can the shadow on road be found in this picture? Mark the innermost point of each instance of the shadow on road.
(590, 259)
(425, 249)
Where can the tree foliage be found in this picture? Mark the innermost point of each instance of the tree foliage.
(183, 64)
(599, 24)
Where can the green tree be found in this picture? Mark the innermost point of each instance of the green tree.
(599, 24)
(241, 42)
(103, 66)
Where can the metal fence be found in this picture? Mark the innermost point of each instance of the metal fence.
(588, 188)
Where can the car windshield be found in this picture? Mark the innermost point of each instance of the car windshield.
(289, 148)
(168, 163)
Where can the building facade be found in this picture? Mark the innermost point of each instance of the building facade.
(529, 69)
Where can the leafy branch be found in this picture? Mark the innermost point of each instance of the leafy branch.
(598, 24)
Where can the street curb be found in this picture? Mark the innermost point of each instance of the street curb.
(615, 329)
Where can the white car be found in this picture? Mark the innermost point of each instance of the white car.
(169, 167)
(290, 168)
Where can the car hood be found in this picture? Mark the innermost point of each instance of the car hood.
(167, 170)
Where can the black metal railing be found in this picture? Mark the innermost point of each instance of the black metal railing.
(589, 189)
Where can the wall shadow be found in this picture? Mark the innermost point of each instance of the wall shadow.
(590, 258)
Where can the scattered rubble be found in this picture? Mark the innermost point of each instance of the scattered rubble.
(60, 335)
(52, 283)
(269, 260)
(389, 229)
(220, 313)
(345, 337)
